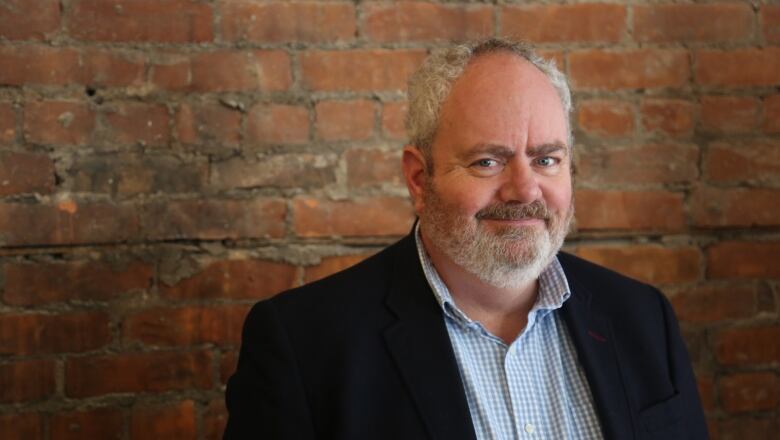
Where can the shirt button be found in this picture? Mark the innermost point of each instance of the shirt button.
(529, 428)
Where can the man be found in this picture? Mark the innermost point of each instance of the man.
(473, 326)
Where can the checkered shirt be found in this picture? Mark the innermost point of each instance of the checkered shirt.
(532, 388)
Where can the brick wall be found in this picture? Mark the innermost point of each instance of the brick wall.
(166, 163)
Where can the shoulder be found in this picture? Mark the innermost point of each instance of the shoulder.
(614, 293)
(356, 290)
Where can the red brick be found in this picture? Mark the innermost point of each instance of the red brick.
(362, 217)
(621, 210)
(746, 392)
(574, 23)
(27, 426)
(359, 70)
(208, 124)
(174, 71)
(772, 114)
(62, 333)
(754, 162)
(393, 115)
(629, 69)
(279, 22)
(172, 421)
(67, 222)
(185, 326)
(215, 419)
(223, 71)
(419, 21)
(7, 123)
(112, 68)
(22, 173)
(168, 21)
(729, 114)
(744, 259)
(739, 67)
(278, 124)
(278, 171)
(748, 345)
(706, 386)
(366, 167)
(649, 263)
(259, 70)
(130, 174)
(345, 120)
(214, 219)
(672, 117)
(770, 22)
(227, 365)
(97, 423)
(44, 283)
(710, 303)
(749, 427)
(141, 372)
(653, 164)
(58, 122)
(715, 207)
(234, 279)
(138, 123)
(693, 22)
(26, 380)
(330, 265)
(29, 19)
(38, 65)
(606, 118)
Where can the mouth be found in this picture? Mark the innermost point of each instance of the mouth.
(522, 221)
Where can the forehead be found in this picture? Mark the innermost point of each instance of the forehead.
(502, 99)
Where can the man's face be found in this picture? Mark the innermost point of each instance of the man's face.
(498, 201)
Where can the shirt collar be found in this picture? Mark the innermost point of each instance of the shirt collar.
(553, 286)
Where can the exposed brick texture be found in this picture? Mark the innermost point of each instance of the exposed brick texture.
(424, 21)
(606, 118)
(154, 372)
(104, 423)
(587, 22)
(170, 421)
(29, 19)
(26, 380)
(629, 69)
(693, 22)
(282, 21)
(164, 164)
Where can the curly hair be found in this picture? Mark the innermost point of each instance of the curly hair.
(431, 83)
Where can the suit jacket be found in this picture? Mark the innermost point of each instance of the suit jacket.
(365, 354)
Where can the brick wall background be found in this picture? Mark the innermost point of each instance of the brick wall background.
(166, 163)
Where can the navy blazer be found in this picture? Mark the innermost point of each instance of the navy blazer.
(365, 354)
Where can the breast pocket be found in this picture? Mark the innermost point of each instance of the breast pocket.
(663, 420)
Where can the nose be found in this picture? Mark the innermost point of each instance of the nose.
(520, 184)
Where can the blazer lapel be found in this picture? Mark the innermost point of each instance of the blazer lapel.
(421, 347)
(590, 331)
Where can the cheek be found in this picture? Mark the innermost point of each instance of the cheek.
(558, 195)
(466, 198)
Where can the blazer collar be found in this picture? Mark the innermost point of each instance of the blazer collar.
(421, 348)
(594, 341)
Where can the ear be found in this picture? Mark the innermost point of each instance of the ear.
(415, 170)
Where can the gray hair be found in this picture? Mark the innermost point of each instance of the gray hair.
(431, 83)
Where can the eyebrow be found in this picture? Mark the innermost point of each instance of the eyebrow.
(505, 152)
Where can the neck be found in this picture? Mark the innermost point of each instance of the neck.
(502, 311)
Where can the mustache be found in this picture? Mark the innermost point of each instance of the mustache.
(514, 211)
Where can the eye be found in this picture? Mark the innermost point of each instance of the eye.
(486, 163)
(547, 161)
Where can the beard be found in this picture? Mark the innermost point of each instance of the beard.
(506, 257)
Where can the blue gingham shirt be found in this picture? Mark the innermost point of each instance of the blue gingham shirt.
(533, 388)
